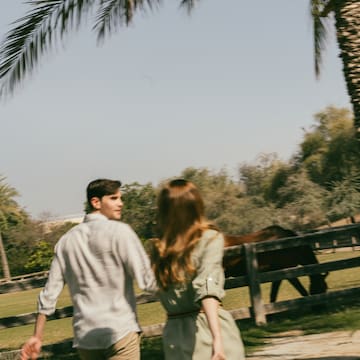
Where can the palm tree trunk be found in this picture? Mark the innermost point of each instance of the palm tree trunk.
(347, 22)
(4, 262)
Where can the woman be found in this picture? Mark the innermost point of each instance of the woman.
(187, 261)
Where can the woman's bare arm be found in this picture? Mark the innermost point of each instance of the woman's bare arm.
(210, 306)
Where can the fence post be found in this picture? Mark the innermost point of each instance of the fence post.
(252, 269)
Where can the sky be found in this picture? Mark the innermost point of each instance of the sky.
(212, 90)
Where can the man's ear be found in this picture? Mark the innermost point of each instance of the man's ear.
(95, 203)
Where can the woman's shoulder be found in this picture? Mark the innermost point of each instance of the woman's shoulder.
(211, 235)
(210, 243)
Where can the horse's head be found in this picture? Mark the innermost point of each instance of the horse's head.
(318, 284)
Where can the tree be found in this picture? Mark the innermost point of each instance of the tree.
(347, 25)
(265, 176)
(344, 199)
(303, 201)
(41, 258)
(140, 208)
(10, 213)
(30, 245)
(221, 195)
(4, 261)
(328, 151)
(20, 242)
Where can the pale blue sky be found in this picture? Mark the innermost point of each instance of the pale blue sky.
(215, 89)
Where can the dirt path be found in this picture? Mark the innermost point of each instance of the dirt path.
(293, 345)
(339, 345)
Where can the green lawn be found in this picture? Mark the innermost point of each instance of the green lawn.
(59, 330)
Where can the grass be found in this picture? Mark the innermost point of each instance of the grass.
(341, 318)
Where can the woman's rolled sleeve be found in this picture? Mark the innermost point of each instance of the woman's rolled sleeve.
(209, 279)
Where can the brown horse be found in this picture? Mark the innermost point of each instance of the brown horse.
(275, 259)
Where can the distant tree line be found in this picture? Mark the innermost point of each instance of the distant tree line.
(319, 184)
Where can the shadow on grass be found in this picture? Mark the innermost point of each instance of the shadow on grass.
(151, 349)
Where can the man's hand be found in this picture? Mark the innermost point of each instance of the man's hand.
(31, 349)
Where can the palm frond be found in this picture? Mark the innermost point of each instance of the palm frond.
(328, 7)
(7, 193)
(188, 4)
(33, 35)
(113, 14)
(319, 31)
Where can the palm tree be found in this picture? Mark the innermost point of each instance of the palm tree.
(8, 208)
(347, 24)
(50, 20)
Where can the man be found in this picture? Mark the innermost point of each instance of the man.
(98, 260)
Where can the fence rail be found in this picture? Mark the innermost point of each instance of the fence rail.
(24, 277)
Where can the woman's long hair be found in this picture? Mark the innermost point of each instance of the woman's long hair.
(181, 222)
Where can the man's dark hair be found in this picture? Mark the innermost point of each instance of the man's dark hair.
(101, 187)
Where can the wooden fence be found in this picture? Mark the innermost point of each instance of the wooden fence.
(24, 277)
(344, 237)
(341, 237)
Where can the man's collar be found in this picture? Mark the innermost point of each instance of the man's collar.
(94, 216)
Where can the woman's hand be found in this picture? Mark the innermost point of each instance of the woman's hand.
(218, 350)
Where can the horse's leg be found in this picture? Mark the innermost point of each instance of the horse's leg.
(295, 282)
(274, 290)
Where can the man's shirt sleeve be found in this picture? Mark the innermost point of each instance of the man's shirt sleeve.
(49, 294)
(137, 261)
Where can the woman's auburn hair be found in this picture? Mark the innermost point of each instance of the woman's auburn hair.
(181, 223)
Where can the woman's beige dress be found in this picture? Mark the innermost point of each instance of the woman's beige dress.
(186, 334)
